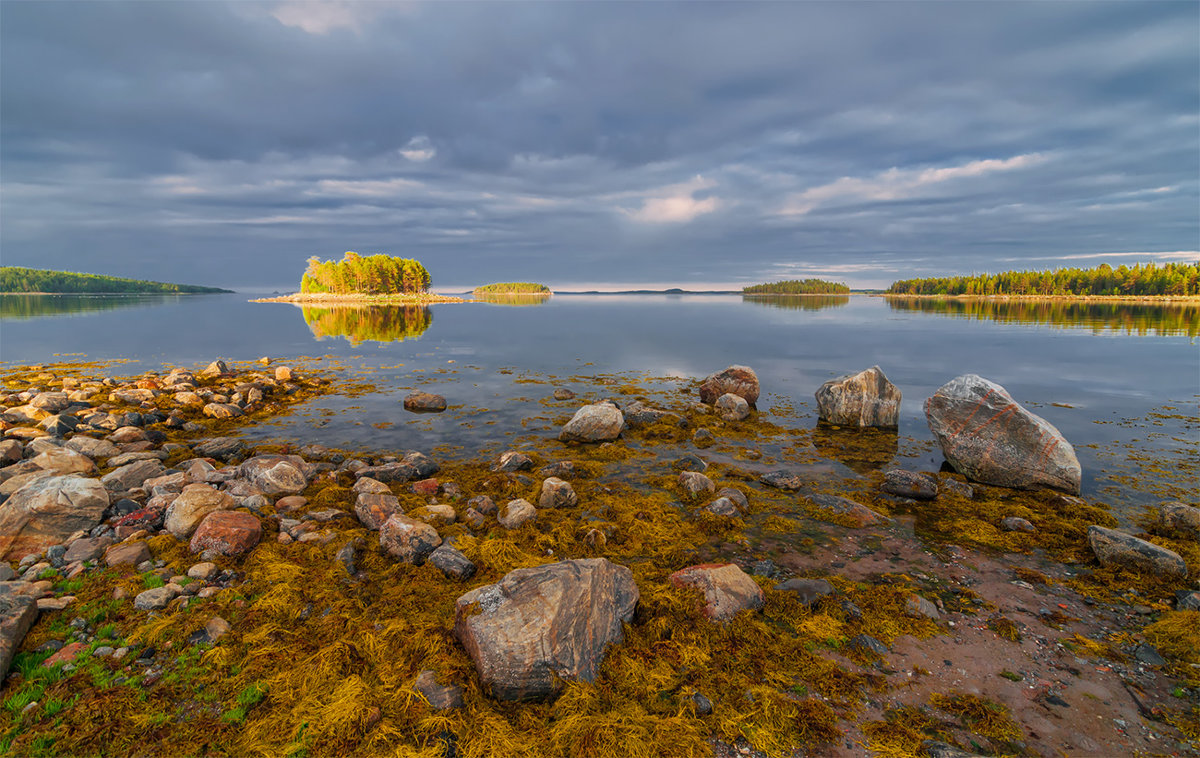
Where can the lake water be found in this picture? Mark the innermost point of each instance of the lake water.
(1120, 381)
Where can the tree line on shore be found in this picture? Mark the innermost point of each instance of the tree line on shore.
(371, 274)
(18, 279)
(1141, 280)
(512, 288)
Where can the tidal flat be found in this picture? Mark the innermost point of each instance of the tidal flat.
(297, 629)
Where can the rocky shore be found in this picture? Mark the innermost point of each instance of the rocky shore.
(167, 588)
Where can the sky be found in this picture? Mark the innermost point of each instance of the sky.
(603, 145)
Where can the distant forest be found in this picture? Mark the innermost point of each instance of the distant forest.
(512, 288)
(1146, 280)
(355, 274)
(16, 279)
(798, 287)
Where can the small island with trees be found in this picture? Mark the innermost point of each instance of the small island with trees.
(364, 279)
(512, 288)
(798, 287)
(35, 281)
(1167, 280)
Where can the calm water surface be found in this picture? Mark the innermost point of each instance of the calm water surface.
(1120, 381)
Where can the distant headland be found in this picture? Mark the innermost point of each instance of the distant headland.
(35, 281)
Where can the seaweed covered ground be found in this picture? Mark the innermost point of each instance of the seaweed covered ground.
(934, 629)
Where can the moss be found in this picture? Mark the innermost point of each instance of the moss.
(1005, 627)
(984, 717)
(1176, 635)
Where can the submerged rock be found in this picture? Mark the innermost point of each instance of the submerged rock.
(424, 402)
(910, 484)
(860, 514)
(539, 626)
(727, 589)
(808, 591)
(1113, 548)
(865, 399)
(598, 422)
(737, 380)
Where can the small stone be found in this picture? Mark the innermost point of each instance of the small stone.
(426, 487)
(702, 438)
(227, 532)
(736, 496)
(202, 571)
(727, 589)
(782, 480)
(372, 486)
(440, 697)
(1179, 519)
(452, 562)
(289, 503)
(513, 461)
(103, 651)
(563, 394)
(731, 407)
(373, 509)
(283, 374)
(1187, 600)
(868, 644)
(598, 422)
(407, 539)
(703, 705)
(440, 514)
(690, 462)
(917, 606)
(54, 603)
(808, 591)
(722, 506)
(1017, 524)
(516, 514)
(153, 599)
(910, 484)
(695, 484)
(557, 493)
(216, 628)
(127, 554)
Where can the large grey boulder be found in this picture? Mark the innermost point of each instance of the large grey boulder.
(1118, 549)
(539, 626)
(48, 510)
(594, 423)
(738, 380)
(863, 399)
(987, 437)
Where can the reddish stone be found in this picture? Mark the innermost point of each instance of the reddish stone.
(290, 503)
(425, 487)
(727, 589)
(227, 532)
(65, 655)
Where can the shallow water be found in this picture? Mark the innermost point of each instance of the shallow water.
(1121, 382)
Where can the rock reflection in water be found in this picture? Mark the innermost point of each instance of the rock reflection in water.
(516, 298)
(23, 306)
(373, 323)
(798, 302)
(860, 450)
(1165, 319)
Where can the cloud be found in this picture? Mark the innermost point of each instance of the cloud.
(321, 16)
(419, 149)
(676, 204)
(897, 184)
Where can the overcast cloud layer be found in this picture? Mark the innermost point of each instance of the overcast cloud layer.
(577, 144)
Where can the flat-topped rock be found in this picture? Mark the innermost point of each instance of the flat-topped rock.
(424, 402)
(227, 532)
(987, 437)
(276, 474)
(539, 626)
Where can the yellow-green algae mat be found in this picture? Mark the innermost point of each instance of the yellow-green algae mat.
(320, 663)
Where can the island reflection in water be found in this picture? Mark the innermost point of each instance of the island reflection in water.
(798, 302)
(19, 307)
(368, 323)
(1162, 319)
(516, 298)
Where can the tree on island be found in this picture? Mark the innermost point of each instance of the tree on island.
(798, 287)
(512, 288)
(371, 275)
(1141, 280)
